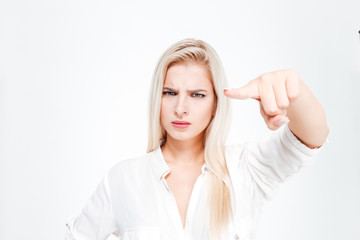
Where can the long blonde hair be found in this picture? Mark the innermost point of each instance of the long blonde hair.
(198, 51)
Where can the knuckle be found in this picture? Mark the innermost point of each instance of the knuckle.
(283, 104)
(278, 73)
(293, 95)
(266, 77)
(271, 111)
(294, 76)
(292, 72)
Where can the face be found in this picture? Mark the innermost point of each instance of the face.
(188, 101)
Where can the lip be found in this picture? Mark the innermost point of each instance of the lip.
(180, 124)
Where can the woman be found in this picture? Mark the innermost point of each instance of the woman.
(189, 185)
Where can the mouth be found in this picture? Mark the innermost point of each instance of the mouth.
(180, 124)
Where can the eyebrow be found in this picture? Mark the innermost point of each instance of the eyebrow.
(194, 90)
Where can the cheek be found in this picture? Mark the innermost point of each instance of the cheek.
(164, 110)
(205, 111)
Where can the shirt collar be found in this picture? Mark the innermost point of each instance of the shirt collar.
(160, 166)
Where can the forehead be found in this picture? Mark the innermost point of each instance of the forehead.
(188, 75)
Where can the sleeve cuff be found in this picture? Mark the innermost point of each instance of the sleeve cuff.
(287, 136)
(70, 233)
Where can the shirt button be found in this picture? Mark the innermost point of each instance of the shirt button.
(236, 237)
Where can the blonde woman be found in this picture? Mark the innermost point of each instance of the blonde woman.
(189, 185)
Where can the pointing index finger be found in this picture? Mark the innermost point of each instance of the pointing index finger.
(247, 91)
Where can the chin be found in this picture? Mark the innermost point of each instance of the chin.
(182, 136)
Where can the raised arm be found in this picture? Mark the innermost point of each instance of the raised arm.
(284, 97)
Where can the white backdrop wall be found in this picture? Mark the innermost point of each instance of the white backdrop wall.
(74, 80)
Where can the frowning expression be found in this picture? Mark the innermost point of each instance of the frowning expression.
(188, 101)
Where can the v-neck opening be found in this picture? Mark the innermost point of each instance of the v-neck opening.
(166, 171)
(190, 203)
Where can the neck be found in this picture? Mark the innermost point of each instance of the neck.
(186, 153)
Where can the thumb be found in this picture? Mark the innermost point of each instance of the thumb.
(249, 90)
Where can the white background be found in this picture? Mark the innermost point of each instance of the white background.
(74, 84)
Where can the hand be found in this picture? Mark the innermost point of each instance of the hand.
(275, 92)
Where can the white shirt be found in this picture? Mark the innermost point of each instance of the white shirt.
(134, 202)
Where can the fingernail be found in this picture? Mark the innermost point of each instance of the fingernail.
(227, 89)
(282, 122)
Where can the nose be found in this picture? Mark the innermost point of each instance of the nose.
(182, 106)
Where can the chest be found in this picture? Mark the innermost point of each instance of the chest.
(181, 183)
(146, 209)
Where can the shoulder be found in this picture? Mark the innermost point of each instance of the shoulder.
(233, 152)
(234, 148)
(131, 167)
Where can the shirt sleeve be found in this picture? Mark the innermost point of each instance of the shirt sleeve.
(274, 159)
(96, 220)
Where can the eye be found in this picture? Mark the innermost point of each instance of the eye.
(198, 95)
(169, 93)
